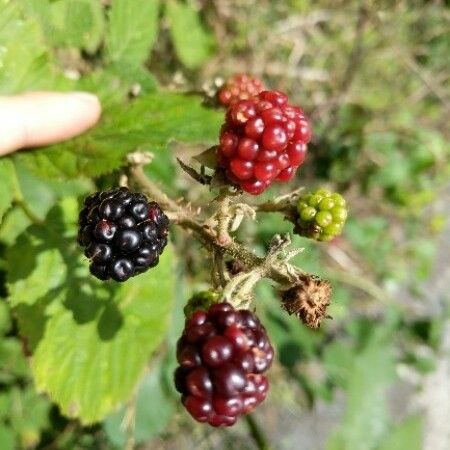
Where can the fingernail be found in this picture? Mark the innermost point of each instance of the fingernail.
(85, 96)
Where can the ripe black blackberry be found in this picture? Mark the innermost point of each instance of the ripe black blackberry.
(122, 232)
(222, 355)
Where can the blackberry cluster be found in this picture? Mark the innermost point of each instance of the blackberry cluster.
(222, 355)
(264, 139)
(239, 87)
(321, 215)
(123, 234)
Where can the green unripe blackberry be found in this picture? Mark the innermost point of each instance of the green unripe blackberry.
(321, 215)
(200, 301)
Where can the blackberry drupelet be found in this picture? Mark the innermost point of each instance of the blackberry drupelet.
(239, 87)
(122, 232)
(222, 355)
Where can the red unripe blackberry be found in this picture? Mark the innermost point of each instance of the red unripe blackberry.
(264, 139)
(222, 355)
(122, 232)
(239, 87)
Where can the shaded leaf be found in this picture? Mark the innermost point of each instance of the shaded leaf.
(42, 270)
(5, 318)
(12, 361)
(193, 44)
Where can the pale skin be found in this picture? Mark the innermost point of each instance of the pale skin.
(36, 119)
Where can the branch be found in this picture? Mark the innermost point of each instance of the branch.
(211, 234)
(137, 173)
(282, 204)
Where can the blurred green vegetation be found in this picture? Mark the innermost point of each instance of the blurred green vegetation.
(374, 78)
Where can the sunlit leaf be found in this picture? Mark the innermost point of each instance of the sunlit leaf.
(117, 326)
(132, 31)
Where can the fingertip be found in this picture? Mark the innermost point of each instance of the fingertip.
(90, 101)
(85, 109)
(41, 118)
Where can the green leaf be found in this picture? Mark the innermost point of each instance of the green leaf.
(132, 31)
(338, 360)
(91, 340)
(193, 44)
(92, 374)
(366, 418)
(29, 415)
(25, 62)
(5, 405)
(37, 194)
(32, 277)
(407, 435)
(135, 76)
(34, 191)
(150, 123)
(71, 23)
(78, 23)
(5, 318)
(14, 224)
(7, 438)
(153, 412)
(12, 361)
(7, 177)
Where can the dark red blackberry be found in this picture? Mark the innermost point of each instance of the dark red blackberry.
(239, 87)
(264, 139)
(222, 355)
(122, 232)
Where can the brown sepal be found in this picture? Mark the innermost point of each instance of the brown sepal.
(308, 300)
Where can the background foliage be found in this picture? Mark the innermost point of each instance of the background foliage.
(374, 78)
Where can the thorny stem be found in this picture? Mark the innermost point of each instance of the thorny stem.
(218, 270)
(138, 174)
(222, 217)
(279, 204)
(213, 234)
